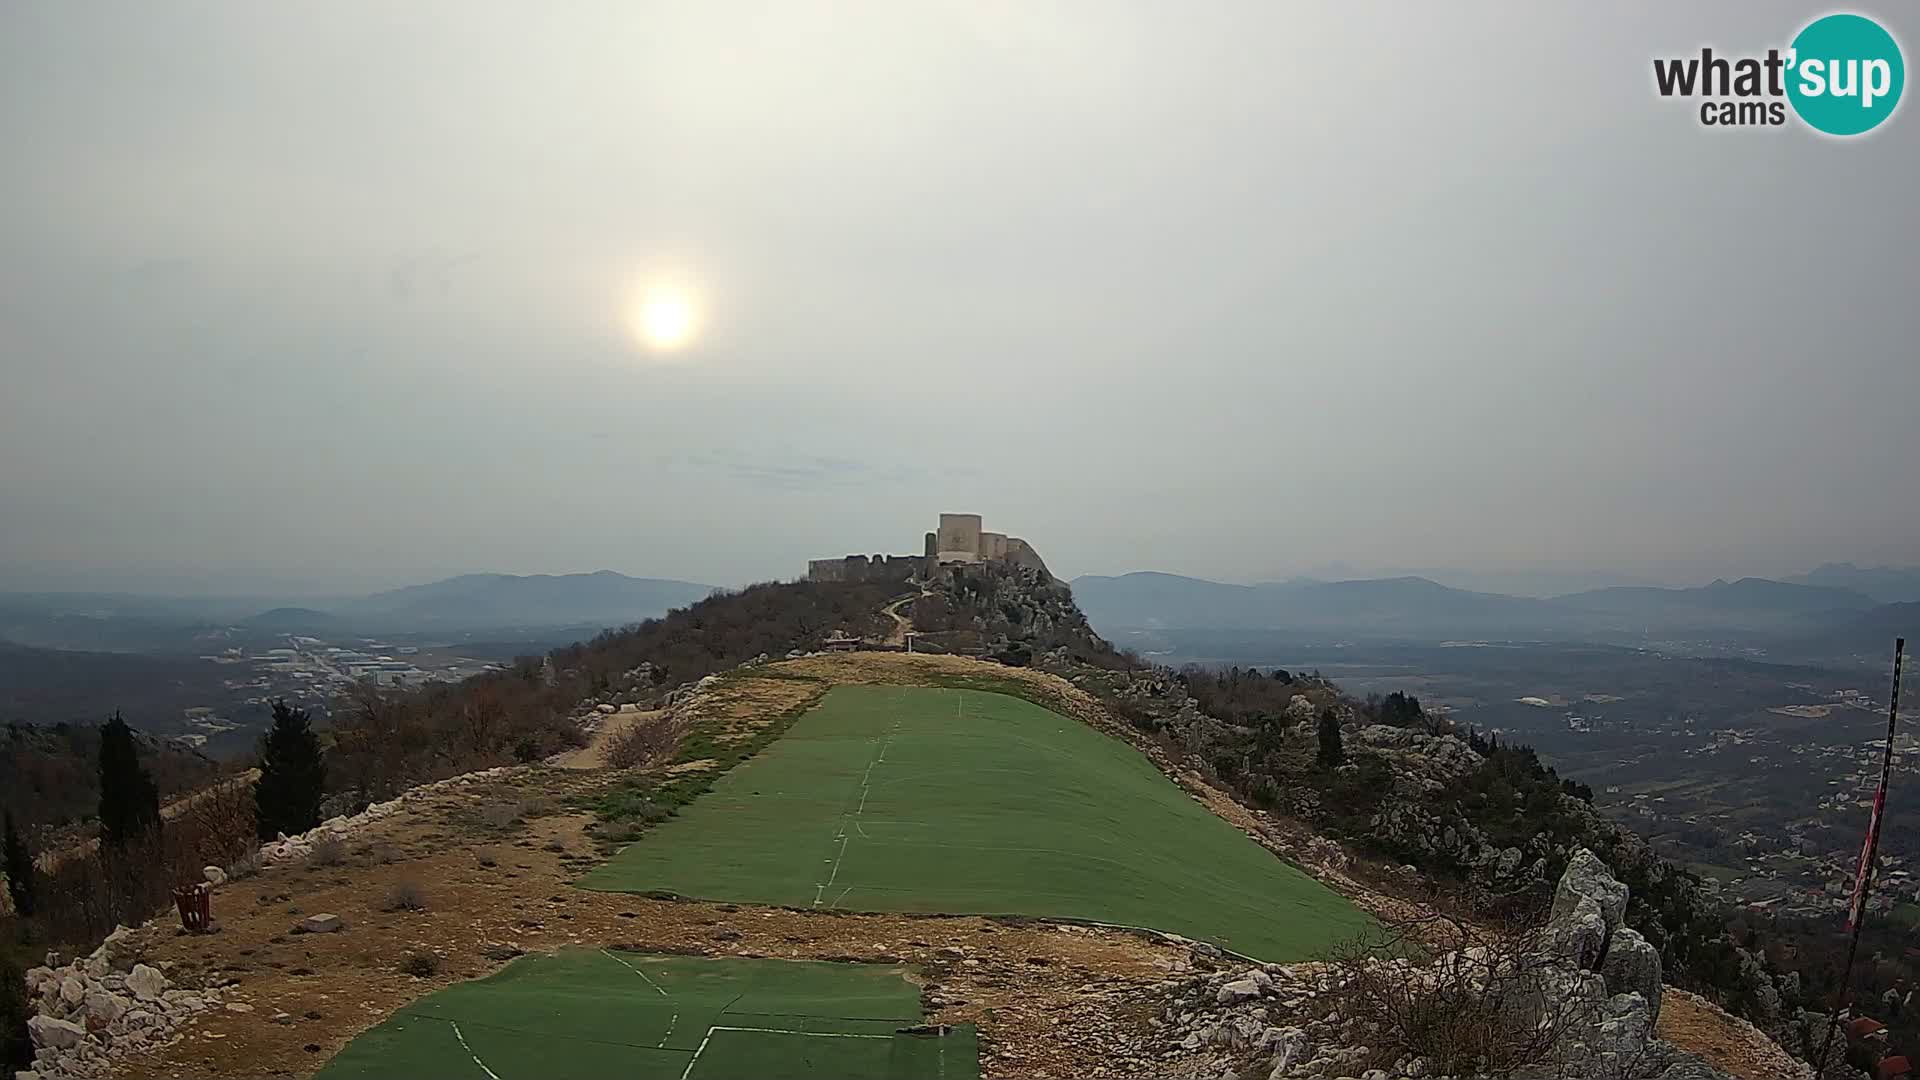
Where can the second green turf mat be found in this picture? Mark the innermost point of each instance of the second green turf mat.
(582, 1015)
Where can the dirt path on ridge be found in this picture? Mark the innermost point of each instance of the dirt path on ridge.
(902, 626)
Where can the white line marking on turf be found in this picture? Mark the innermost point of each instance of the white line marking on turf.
(470, 1053)
(808, 1034)
(836, 865)
(636, 971)
(708, 1037)
(673, 1020)
(866, 785)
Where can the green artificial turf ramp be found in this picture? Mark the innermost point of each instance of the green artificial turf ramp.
(888, 798)
(585, 1014)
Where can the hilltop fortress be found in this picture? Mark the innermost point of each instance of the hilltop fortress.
(959, 539)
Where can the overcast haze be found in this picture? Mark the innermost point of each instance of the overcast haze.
(335, 296)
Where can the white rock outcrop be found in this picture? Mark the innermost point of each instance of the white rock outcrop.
(103, 1006)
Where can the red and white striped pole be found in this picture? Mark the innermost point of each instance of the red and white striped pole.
(1869, 853)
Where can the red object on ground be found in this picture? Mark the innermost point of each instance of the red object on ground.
(1865, 1027)
(1892, 1068)
(196, 906)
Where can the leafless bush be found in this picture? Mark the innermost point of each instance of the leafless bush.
(246, 865)
(420, 964)
(328, 850)
(1481, 1008)
(406, 896)
(499, 815)
(645, 742)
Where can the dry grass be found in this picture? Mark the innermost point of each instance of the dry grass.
(406, 895)
(328, 850)
(645, 742)
(420, 964)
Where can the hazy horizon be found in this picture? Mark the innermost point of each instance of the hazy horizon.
(319, 300)
(1519, 581)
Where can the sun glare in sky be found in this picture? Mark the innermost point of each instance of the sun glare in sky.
(665, 316)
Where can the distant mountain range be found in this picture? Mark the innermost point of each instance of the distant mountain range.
(1887, 584)
(503, 600)
(468, 604)
(1414, 607)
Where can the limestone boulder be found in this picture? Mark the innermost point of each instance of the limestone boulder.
(105, 1008)
(1632, 966)
(1579, 937)
(1587, 877)
(55, 1034)
(146, 983)
(323, 923)
(1238, 990)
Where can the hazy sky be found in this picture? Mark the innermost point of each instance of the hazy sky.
(338, 295)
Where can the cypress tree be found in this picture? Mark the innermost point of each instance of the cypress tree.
(16, 1043)
(19, 863)
(129, 801)
(293, 775)
(1332, 753)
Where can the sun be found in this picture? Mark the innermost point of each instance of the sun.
(666, 318)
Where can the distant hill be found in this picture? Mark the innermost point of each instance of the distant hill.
(1864, 635)
(294, 619)
(1887, 584)
(1407, 605)
(506, 600)
(1749, 603)
(1415, 607)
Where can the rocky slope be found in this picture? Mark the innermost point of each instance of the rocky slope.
(1486, 820)
(1577, 1001)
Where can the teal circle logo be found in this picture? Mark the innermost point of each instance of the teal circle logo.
(1845, 74)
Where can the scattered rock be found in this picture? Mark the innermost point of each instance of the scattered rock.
(55, 1034)
(104, 1007)
(146, 983)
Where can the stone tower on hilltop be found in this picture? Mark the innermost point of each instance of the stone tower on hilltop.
(959, 539)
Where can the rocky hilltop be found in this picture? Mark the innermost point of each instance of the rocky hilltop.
(1523, 935)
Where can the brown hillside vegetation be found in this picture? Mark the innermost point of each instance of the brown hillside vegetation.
(384, 742)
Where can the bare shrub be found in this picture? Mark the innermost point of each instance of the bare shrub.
(499, 815)
(328, 850)
(1484, 1008)
(536, 807)
(247, 865)
(406, 896)
(420, 964)
(645, 742)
